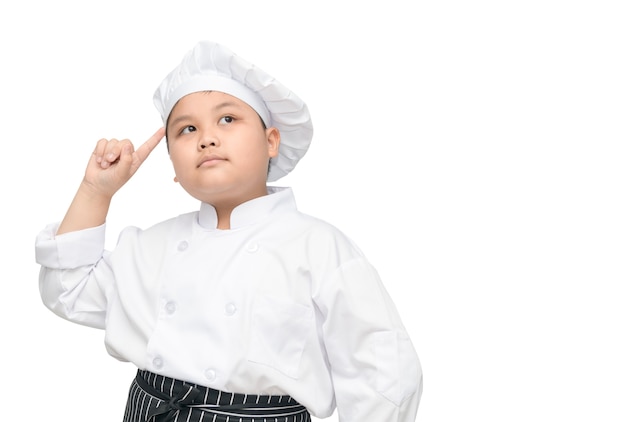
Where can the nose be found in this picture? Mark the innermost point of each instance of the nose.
(207, 140)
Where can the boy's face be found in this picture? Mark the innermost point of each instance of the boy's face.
(219, 148)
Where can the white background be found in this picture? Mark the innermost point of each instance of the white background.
(473, 149)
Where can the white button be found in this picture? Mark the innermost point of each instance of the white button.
(170, 307)
(210, 374)
(183, 245)
(157, 362)
(230, 309)
(252, 247)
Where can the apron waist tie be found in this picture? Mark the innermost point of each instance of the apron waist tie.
(191, 396)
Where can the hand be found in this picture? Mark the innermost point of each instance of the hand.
(114, 162)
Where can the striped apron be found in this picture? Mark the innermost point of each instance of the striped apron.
(155, 398)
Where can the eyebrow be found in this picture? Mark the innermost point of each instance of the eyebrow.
(218, 107)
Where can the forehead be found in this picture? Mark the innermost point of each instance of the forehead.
(207, 100)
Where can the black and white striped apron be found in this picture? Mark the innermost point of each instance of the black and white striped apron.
(155, 398)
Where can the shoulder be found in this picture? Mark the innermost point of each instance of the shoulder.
(321, 235)
(159, 232)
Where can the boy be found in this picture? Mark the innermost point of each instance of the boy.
(245, 309)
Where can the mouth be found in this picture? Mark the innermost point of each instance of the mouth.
(209, 160)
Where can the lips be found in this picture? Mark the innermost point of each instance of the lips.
(209, 160)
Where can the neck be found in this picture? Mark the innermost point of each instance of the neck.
(223, 217)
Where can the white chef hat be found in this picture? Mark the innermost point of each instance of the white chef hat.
(213, 67)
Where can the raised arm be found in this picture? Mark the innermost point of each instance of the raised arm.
(111, 165)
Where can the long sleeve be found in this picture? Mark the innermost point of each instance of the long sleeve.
(69, 284)
(376, 372)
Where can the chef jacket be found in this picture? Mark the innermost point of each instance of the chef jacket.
(281, 303)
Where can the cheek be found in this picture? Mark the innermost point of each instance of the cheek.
(177, 161)
(259, 154)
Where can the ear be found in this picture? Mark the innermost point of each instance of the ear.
(273, 141)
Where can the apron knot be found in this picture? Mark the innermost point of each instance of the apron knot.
(167, 410)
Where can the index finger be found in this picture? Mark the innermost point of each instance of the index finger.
(144, 150)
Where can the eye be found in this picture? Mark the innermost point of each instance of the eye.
(188, 129)
(227, 119)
